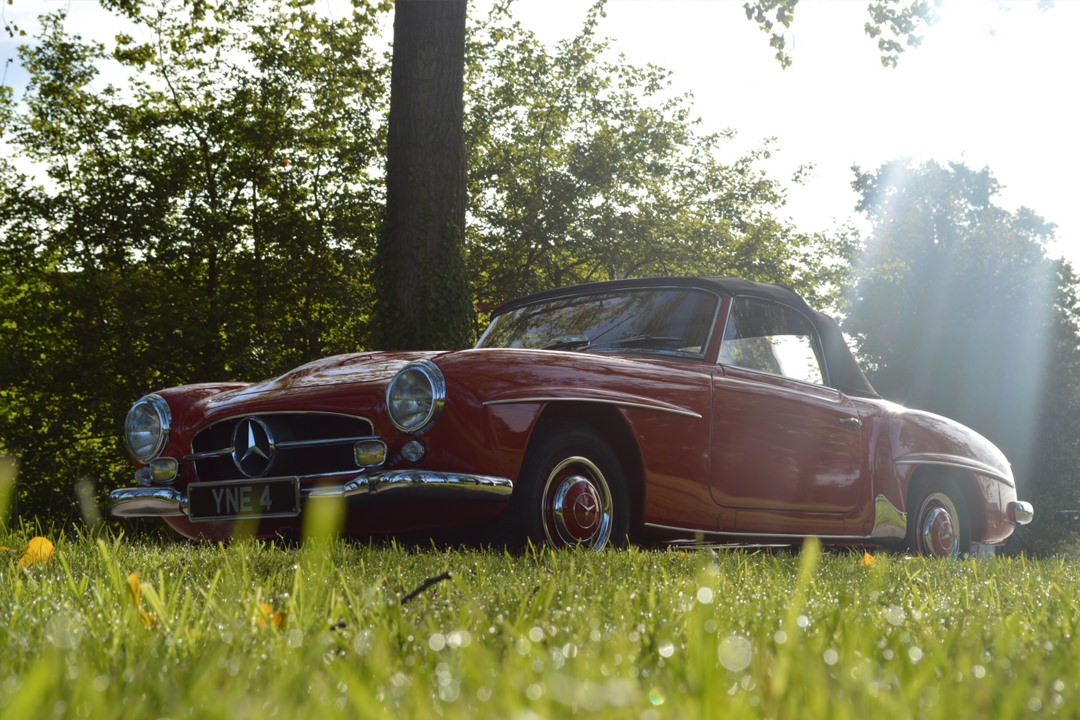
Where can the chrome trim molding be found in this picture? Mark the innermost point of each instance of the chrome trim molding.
(436, 382)
(979, 469)
(161, 408)
(474, 486)
(764, 536)
(619, 403)
(1023, 512)
(889, 522)
(159, 471)
(148, 502)
(254, 447)
(286, 445)
(168, 502)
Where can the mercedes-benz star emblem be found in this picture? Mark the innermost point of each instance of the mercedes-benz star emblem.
(585, 511)
(253, 447)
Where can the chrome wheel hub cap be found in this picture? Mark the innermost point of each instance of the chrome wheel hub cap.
(577, 505)
(938, 533)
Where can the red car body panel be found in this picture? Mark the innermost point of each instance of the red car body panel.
(712, 448)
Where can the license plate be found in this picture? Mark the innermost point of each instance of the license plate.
(235, 499)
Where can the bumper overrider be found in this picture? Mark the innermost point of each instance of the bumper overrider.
(1022, 512)
(417, 484)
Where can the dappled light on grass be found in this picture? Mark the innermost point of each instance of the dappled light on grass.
(341, 630)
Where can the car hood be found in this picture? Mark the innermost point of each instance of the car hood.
(313, 379)
(342, 382)
(341, 369)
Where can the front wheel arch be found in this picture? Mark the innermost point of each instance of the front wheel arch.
(570, 467)
(612, 426)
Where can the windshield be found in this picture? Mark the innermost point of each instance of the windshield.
(671, 321)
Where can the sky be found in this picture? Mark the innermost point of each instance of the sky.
(993, 84)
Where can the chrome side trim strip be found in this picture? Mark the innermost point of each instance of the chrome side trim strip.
(169, 502)
(326, 441)
(764, 536)
(889, 523)
(979, 469)
(601, 401)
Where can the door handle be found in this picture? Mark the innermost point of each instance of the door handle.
(851, 422)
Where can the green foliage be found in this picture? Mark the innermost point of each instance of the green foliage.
(959, 311)
(213, 215)
(768, 14)
(208, 221)
(584, 167)
(895, 24)
(342, 631)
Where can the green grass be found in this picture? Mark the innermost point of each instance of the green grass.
(631, 634)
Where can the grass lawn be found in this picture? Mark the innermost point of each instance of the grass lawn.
(114, 627)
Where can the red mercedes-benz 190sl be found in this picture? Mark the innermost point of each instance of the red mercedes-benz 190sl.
(668, 408)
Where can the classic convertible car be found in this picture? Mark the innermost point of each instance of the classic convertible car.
(708, 408)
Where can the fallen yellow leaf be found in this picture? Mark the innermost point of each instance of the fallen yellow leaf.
(868, 560)
(148, 620)
(267, 614)
(39, 552)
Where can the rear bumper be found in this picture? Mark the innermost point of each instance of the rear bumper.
(414, 484)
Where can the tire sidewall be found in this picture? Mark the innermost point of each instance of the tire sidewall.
(557, 444)
(949, 498)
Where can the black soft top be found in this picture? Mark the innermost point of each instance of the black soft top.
(844, 371)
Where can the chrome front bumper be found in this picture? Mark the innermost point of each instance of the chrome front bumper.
(170, 502)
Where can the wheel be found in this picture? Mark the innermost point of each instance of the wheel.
(572, 492)
(939, 526)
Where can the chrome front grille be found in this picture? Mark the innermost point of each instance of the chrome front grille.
(274, 444)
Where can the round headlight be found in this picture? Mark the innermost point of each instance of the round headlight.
(416, 396)
(147, 427)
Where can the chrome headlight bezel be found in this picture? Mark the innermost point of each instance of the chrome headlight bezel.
(415, 397)
(146, 427)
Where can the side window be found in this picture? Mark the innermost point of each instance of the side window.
(771, 338)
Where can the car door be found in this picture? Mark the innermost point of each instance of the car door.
(787, 450)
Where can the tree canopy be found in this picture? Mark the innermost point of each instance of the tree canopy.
(896, 24)
(208, 219)
(959, 311)
(215, 215)
(584, 167)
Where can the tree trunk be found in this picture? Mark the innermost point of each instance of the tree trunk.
(423, 294)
